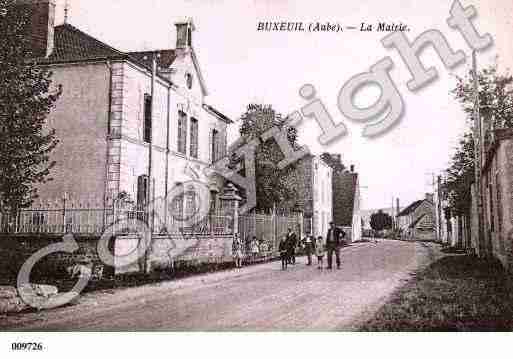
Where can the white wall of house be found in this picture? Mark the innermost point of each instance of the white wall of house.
(168, 103)
(356, 230)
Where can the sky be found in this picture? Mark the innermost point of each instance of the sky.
(241, 66)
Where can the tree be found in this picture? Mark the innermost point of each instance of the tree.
(273, 185)
(380, 221)
(25, 102)
(460, 176)
(495, 95)
(334, 162)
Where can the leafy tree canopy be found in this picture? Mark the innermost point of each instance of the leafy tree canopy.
(274, 186)
(25, 102)
(380, 221)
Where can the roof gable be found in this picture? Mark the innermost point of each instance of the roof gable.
(410, 209)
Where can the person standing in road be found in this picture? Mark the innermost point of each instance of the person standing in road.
(319, 251)
(309, 247)
(254, 249)
(333, 244)
(292, 244)
(284, 250)
(237, 252)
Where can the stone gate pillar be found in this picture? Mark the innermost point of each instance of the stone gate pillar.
(230, 205)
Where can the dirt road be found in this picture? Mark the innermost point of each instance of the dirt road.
(260, 297)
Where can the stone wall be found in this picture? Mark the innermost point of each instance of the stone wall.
(20, 248)
(168, 251)
(497, 187)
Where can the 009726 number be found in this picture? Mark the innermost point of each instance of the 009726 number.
(27, 346)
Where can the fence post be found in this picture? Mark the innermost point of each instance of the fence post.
(301, 224)
(273, 226)
(64, 213)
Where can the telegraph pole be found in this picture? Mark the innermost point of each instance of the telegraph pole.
(477, 155)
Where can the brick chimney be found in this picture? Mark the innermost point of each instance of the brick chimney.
(430, 197)
(352, 168)
(40, 25)
(184, 31)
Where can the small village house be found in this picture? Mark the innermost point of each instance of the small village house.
(417, 221)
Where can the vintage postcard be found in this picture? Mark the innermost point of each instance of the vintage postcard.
(255, 166)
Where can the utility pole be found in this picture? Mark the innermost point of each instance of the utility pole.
(149, 188)
(439, 208)
(477, 155)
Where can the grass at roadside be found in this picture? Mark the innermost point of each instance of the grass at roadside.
(455, 293)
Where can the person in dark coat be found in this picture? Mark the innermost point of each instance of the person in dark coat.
(292, 244)
(284, 250)
(333, 243)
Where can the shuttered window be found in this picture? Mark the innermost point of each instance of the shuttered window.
(215, 145)
(147, 118)
(142, 191)
(182, 132)
(194, 138)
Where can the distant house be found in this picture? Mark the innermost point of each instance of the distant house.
(417, 221)
(346, 203)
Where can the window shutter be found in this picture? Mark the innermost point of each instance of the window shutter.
(224, 145)
(142, 188)
(194, 138)
(147, 118)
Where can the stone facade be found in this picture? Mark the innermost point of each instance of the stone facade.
(497, 194)
(101, 121)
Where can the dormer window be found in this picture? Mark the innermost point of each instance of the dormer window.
(188, 80)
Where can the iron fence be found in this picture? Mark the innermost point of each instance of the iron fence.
(269, 227)
(83, 219)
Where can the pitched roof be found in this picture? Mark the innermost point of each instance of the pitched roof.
(72, 44)
(164, 60)
(410, 209)
(216, 113)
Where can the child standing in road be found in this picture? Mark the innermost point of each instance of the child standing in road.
(237, 252)
(319, 251)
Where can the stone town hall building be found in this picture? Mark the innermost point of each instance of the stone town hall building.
(107, 119)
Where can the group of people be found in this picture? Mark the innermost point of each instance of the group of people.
(289, 243)
(255, 248)
(318, 246)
